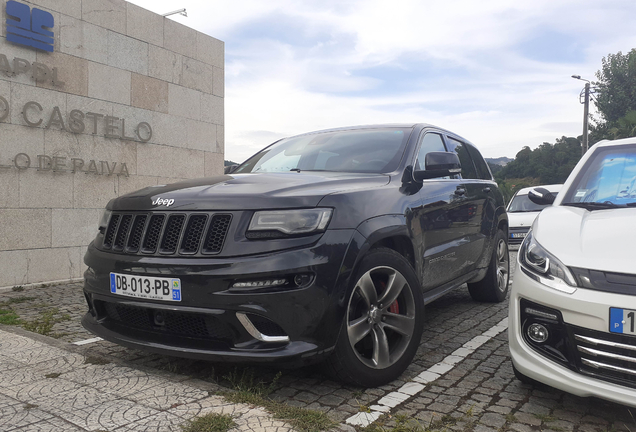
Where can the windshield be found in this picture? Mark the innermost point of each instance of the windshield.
(363, 150)
(521, 203)
(607, 179)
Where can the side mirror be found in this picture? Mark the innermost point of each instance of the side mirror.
(229, 169)
(541, 196)
(439, 164)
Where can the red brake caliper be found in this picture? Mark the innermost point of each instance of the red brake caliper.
(394, 308)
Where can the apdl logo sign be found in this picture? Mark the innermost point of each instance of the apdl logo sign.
(29, 27)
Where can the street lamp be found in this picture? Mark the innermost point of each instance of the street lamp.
(180, 12)
(586, 111)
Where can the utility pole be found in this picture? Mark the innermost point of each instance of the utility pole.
(586, 111)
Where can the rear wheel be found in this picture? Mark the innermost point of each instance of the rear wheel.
(494, 286)
(382, 326)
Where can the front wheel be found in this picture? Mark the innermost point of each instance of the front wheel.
(494, 286)
(383, 321)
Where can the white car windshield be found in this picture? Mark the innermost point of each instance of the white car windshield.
(521, 203)
(361, 150)
(607, 180)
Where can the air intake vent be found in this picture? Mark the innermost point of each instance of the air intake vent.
(216, 234)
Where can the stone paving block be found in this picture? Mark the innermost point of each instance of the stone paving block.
(108, 416)
(411, 388)
(10, 343)
(440, 368)
(38, 353)
(23, 375)
(163, 421)
(97, 375)
(77, 399)
(17, 416)
(36, 391)
(128, 385)
(364, 419)
(166, 395)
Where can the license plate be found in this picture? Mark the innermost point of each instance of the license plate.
(153, 288)
(622, 321)
(518, 235)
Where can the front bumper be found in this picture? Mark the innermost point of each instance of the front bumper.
(582, 317)
(302, 323)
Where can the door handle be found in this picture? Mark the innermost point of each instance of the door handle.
(460, 191)
(486, 189)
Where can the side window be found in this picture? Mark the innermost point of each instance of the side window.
(431, 142)
(468, 169)
(482, 168)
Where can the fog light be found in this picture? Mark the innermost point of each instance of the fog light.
(302, 279)
(538, 333)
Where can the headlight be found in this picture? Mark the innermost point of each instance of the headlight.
(544, 267)
(103, 222)
(283, 223)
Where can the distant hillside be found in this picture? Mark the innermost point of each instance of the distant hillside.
(503, 161)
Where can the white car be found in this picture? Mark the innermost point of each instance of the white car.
(572, 315)
(522, 212)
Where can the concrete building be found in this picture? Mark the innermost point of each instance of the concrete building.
(98, 98)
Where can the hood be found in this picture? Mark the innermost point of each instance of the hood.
(598, 240)
(521, 219)
(247, 191)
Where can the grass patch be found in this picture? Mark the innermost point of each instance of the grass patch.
(510, 417)
(30, 406)
(9, 317)
(53, 375)
(403, 423)
(248, 391)
(94, 360)
(45, 322)
(17, 288)
(15, 300)
(545, 417)
(210, 423)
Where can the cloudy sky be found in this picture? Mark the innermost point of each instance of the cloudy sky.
(494, 71)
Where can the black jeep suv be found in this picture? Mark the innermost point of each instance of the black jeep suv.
(321, 246)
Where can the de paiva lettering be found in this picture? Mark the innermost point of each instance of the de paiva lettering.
(22, 161)
(29, 27)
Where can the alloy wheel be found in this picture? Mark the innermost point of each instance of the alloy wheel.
(380, 317)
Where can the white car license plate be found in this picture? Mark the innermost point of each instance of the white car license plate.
(622, 321)
(153, 288)
(518, 235)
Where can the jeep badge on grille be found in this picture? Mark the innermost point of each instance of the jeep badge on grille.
(161, 201)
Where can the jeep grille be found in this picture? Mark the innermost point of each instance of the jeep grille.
(167, 233)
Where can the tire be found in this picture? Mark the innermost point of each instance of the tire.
(382, 324)
(493, 288)
(521, 377)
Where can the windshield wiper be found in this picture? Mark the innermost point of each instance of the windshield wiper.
(295, 169)
(594, 205)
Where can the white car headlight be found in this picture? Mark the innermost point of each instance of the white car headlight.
(545, 267)
(282, 223)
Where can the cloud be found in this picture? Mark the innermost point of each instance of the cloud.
(495, 71)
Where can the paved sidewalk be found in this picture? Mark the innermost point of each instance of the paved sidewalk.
(49, 386)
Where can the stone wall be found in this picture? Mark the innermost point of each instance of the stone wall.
(122, 86)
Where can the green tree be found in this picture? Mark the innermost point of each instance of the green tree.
(615, 96)
(548, 163)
